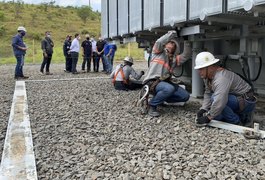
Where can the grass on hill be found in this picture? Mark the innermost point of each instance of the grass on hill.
(61, 21)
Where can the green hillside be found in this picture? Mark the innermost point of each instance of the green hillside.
(37, 19)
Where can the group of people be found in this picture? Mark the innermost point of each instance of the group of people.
(92, 50)
(227, 97)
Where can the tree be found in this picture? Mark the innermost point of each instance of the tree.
(45, 5)
(84, 12)
(17, 8)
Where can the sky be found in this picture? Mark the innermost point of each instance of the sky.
(95, 4)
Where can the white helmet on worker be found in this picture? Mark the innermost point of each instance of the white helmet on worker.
(128, 59)
(204, 59)
(21, 28)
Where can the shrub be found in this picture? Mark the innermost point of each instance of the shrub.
(2, 16)
(84, 32)
(36, 36)
(84, 12)
(2, 30)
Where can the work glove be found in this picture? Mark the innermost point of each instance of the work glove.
(202, 121)
(200, 113)
(142, 72)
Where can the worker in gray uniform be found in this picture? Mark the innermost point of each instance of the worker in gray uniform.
(227, 96)
(165, 59)
(122, 73)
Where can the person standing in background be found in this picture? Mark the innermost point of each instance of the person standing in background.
(47, 48)
(87, 53)
(19, 49)
(106, 58)
(113, 49)
(100, 49)
(74, 51)
(94, 54)
(67, 55)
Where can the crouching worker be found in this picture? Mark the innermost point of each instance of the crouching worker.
(165, 58)
(227, 96)
(121, 76)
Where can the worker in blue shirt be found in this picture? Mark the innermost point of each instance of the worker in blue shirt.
(113, 49)
(19, 49)
(106, 58)
(109, 52)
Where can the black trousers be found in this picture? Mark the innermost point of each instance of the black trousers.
(86, 60)
(68, 63)
(119, 85)
(46, 62)
(95, 62)
(74, 56)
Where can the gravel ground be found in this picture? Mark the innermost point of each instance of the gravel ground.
(84, 129)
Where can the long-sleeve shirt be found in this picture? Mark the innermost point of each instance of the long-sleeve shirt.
(75, 47)
(224, 82)
(66, 47)
(127, 70)
(47, 45)
(160, 65)
(17, 42)
(94, 46)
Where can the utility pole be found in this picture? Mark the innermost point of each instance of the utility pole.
(89, 4)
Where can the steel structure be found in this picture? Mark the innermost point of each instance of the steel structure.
(233, 29)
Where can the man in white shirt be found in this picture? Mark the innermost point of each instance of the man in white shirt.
(74, 51)
(94, 54)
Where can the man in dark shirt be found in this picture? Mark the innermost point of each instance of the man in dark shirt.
(19, 49)
(67, 55)
(47, 48)
(87, 53)
(100, 49)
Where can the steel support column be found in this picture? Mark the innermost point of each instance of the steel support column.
(197, 83)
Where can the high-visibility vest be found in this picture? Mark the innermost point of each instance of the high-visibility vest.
(125, 81)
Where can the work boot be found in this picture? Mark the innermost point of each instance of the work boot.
(25, 77)
(153, 111)
(48, 73)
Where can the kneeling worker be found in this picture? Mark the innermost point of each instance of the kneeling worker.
(227, 96)
(165, 59)
(121, 76)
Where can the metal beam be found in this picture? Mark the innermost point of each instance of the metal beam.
(235, 128)
(129, 39)
(191, 30)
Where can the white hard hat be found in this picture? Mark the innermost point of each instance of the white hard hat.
(128, 59)
(204, 59)
(21, 28)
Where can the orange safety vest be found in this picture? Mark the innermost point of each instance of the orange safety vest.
(125, 81)
(164, 64)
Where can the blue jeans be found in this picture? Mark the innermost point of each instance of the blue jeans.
(19, 66)
(170, 93)
(107, 63)
(231, 112)
(111, 61)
